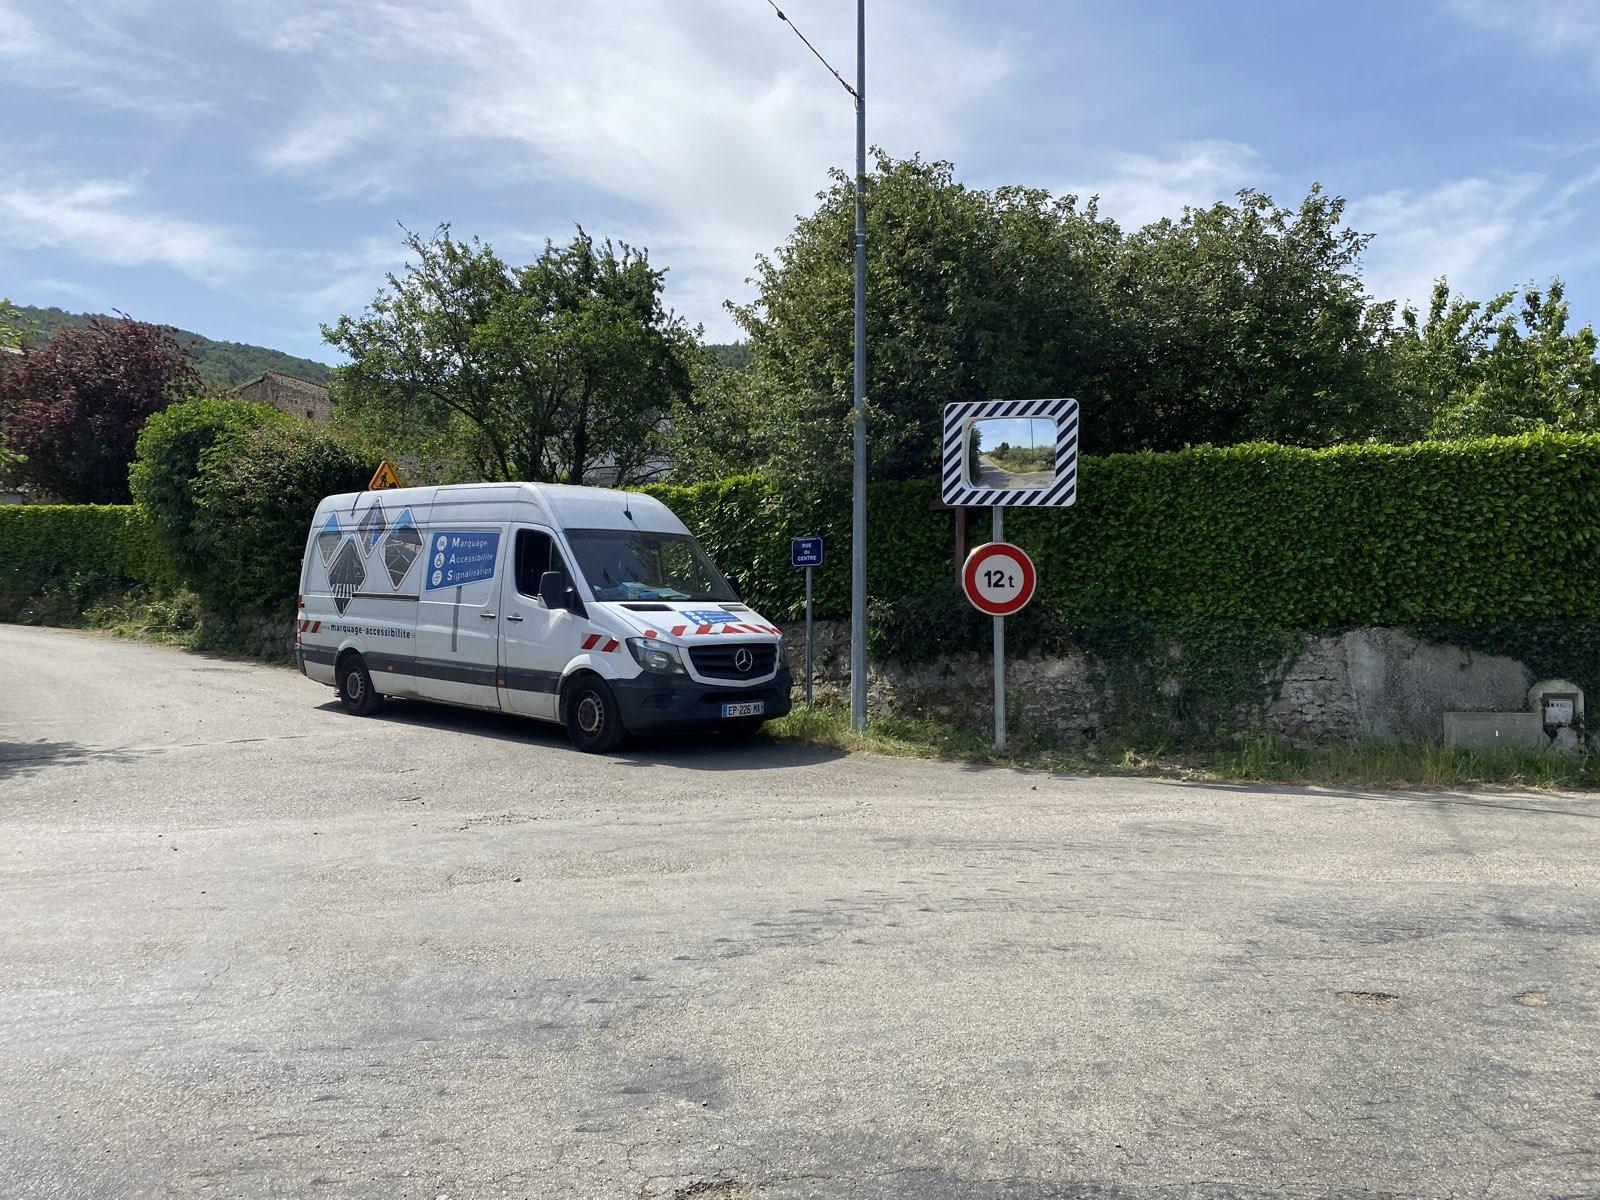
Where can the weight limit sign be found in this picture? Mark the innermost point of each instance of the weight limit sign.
(998, 579)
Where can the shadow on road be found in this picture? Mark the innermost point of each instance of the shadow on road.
(695, 751)
(717, 752)
(20, 759)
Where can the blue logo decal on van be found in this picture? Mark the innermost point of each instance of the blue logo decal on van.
(709, 616)
(458, 558)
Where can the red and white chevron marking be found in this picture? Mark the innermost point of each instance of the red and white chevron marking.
(680, 630)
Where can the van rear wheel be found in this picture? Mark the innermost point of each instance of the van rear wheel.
(356, 692)
(594, 722)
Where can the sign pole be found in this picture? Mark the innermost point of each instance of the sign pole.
(807, 553)
(999, 649)
(809, 658)
(999, 579)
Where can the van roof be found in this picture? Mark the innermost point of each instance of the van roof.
(605, 508)
(570, 506)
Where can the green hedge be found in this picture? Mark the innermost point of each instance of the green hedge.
(253, 503)
(1468, 532)
(166, 470)
(1288, 538)
(82, 552)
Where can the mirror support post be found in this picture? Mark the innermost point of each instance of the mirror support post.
(999, 535)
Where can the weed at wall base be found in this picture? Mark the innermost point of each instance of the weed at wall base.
(1392, 764)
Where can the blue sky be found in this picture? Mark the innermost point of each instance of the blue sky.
(1015, 431)
(241, 169)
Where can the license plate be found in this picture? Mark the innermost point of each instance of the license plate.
(753, 709)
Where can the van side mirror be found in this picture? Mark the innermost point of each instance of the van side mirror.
(733, 585)
(553, 590)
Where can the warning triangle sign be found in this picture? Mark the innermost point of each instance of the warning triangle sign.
(384, 477)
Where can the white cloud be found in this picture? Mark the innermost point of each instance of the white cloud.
(347, 280)
(1551, 27)
(1139, 188)
(21, 39)
(703, 127)
(108, 56)
(1484, 234)
(103, 222)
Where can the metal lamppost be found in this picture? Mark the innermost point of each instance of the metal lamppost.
(858, 500)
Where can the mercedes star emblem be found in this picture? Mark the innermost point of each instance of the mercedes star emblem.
(743, 659)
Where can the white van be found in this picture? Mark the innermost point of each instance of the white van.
(587, 606)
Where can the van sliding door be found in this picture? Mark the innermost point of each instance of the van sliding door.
(458, 622)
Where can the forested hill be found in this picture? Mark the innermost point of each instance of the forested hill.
(227, 364)
(733, 355)
(221, 364)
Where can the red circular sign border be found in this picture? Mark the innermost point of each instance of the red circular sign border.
(969, 578)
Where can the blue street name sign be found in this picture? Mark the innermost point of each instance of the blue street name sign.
(805, 552)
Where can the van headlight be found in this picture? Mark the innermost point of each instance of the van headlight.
(656, 657)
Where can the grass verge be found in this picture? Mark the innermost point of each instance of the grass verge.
(1391, 765)
(171, 620)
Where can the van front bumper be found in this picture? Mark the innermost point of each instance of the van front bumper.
(664, 703)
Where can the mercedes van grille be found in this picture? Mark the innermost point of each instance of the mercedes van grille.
(727, 660)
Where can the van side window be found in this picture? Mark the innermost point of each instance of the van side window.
(535, 555)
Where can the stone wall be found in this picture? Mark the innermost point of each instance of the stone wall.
(1381, 683)
(1363, 684)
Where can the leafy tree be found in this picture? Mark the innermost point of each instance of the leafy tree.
(1237, 322)
(166, 470)
(1243, 322)
(10, 340)
(709, 434)
(11, 327)
(1473, 369)
(971, 294)
(543, 372)
(74, 407)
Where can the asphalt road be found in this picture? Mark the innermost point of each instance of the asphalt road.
(993, 475)
(251, 946)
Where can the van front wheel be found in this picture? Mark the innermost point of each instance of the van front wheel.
(594, 722)
(356, 692)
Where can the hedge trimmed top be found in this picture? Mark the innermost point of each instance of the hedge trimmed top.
(1494, 529)
(1484, 531)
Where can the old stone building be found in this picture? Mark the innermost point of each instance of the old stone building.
(296, 397)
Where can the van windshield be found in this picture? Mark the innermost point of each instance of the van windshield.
(632, 565)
